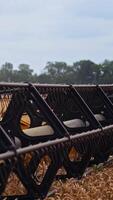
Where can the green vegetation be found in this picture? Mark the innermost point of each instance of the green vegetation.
(81, 72)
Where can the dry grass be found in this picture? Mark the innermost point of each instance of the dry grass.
(96, 186)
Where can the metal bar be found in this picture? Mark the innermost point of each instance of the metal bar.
(105, 99)
(50, 115)
(10, 154)
(12, 85)
(13, 146)
(85, 108)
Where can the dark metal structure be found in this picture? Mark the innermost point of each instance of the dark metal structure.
(61, 117)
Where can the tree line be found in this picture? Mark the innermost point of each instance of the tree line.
(81, 72)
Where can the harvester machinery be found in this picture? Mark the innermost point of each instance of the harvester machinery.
(69, 127)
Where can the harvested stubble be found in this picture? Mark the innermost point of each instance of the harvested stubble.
(97, 185)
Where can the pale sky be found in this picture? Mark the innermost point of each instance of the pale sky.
(38, 31)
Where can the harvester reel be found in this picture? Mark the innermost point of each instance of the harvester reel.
(52, 132)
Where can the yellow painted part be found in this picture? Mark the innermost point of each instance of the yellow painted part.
(25, 122)
(73, 155)
(4, 102)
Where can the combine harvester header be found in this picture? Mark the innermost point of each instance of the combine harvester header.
(52, 122)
